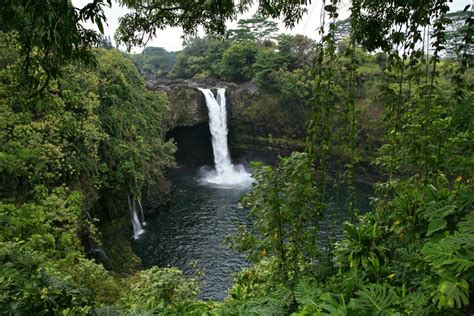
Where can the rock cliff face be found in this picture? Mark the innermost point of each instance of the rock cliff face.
(257, 130)
(188, 105)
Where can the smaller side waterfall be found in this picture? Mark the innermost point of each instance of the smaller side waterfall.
(137, 226)
(225, 173)
(139, 200)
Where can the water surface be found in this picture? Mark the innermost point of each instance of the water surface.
(193, 229)
(200, 217)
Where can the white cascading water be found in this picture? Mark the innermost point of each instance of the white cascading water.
(139, 200)
(225, 173)
(137, 226)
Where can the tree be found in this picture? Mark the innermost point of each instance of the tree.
(266, 66)
(296, 51)
(343, 29)
(238, 61)
(154, 61)
(51, 34)
(147, 17)
(105, 42)
(200, 56)
(457, 31)
(286, 221)
(257, 28)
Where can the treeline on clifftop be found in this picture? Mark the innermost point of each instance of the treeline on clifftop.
(74, 135)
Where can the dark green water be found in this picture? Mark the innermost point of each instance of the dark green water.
(194, 228)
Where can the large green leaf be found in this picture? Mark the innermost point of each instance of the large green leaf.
(438, 253)
(306, 292)
(467, 225)
(436, 225)
(378, 299)
(334, 305)
(452, 293)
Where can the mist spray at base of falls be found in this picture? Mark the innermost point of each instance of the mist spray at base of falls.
(224, 174)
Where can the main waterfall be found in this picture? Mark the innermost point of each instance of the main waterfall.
(225, 173)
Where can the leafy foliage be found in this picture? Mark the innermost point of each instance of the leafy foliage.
(199, 58)
(412, 254)
(285, 216)
(97, 131)
(156, 289)
(130, 115)
(51, 35)
(257, 28)
(70, 136)
(154, 61)
(237, 62)
(147, 17)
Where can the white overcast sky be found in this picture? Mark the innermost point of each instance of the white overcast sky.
(171, 38)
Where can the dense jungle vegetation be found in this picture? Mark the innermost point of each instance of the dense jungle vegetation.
(79, 132)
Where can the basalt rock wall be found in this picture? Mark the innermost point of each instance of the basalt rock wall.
(258, 128)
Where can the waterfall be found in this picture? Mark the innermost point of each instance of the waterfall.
(139, 200)
(225, 174)
(137, 226)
